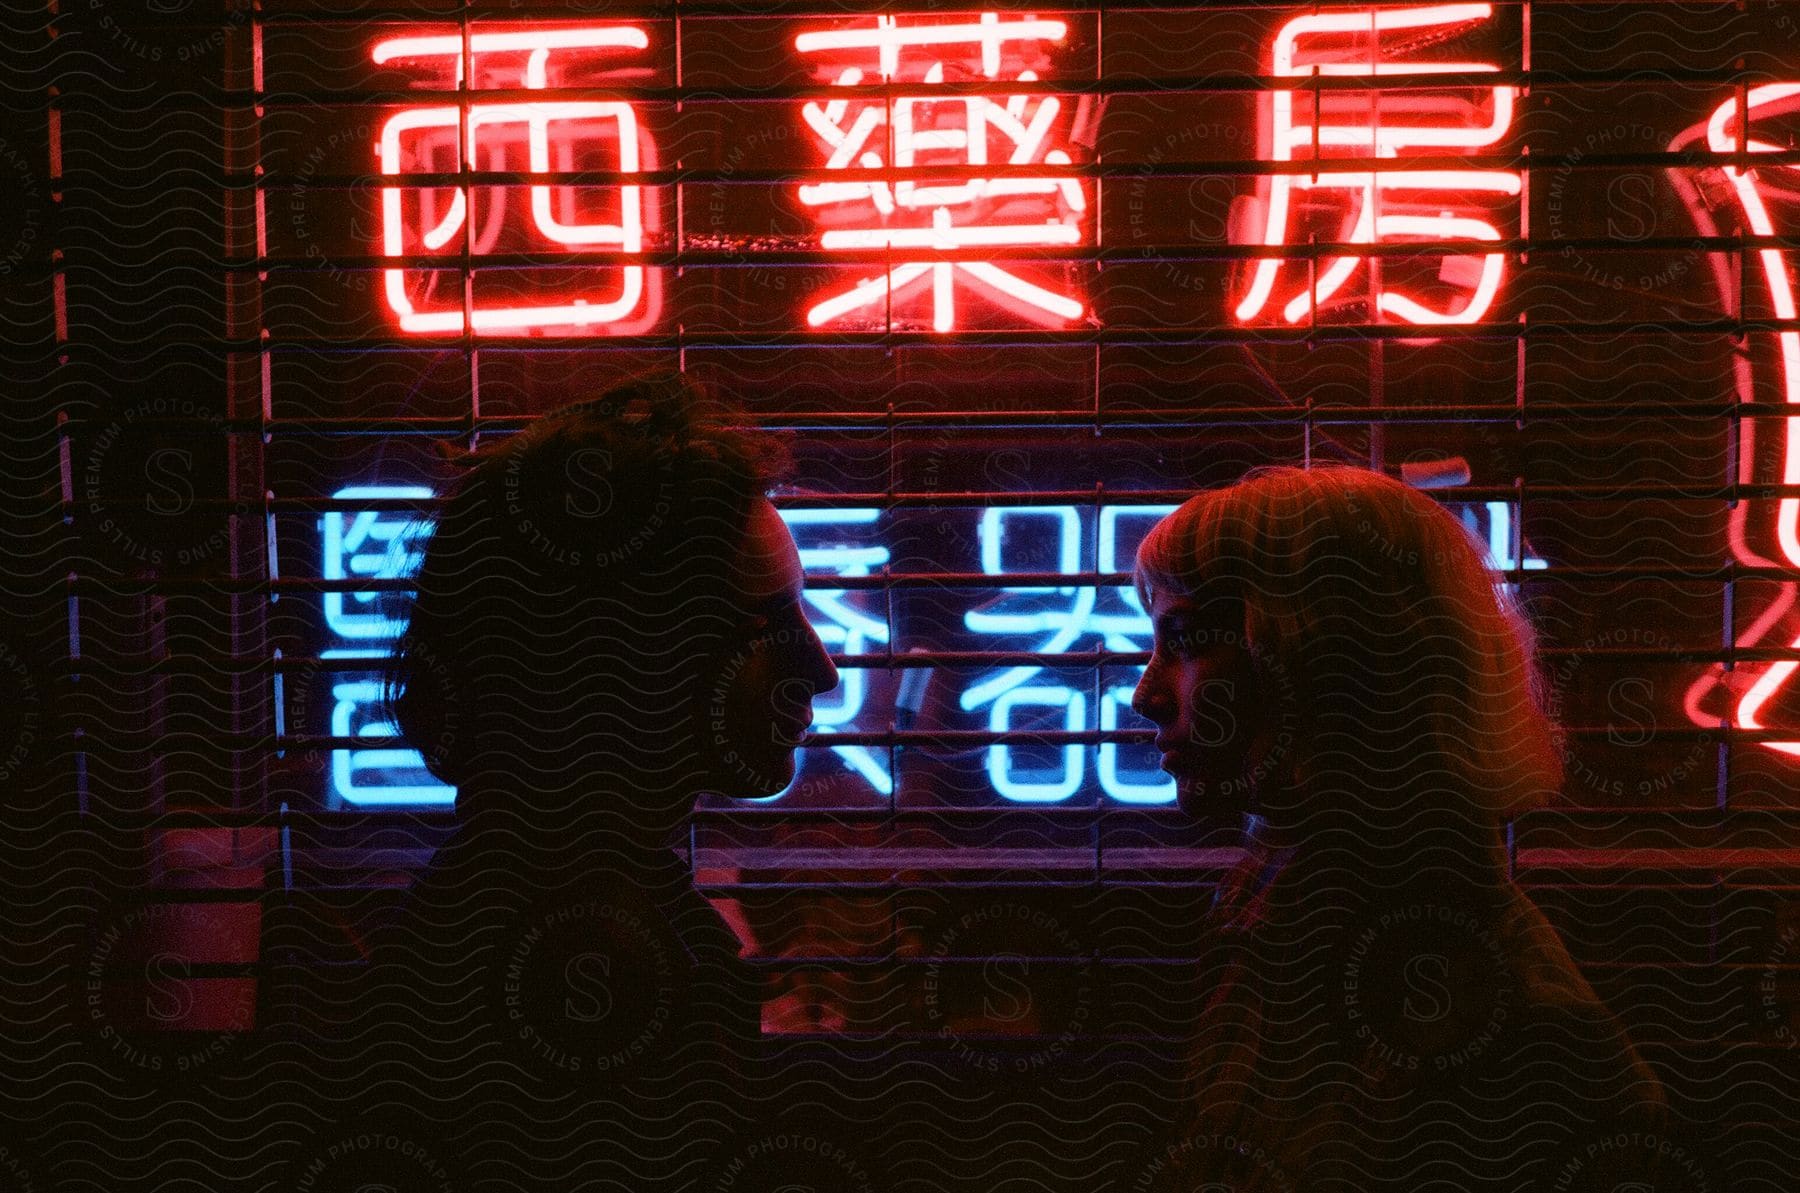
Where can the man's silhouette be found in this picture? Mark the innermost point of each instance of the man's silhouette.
(607, 622)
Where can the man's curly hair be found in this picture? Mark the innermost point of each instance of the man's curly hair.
(596, 544)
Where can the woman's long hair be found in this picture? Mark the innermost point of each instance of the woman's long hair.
(1420, 727)
(1409, 663)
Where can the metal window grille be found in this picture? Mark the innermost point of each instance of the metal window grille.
(250, 307)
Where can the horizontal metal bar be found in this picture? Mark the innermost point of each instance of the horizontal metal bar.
(77, 181)
(1064, 85)
(257, 586)
(1091, 857)
(802, 252)
(981, 499)
(1759, 826)
(1161, 417)
(902, 857)
(1670, 858)
(119, 740)
(884, 661)
(700, 337)
(652, 10)
(302, 819)
(450, 20)
(1088, 82)
(275, 183)
(200, 664)
(756, 250)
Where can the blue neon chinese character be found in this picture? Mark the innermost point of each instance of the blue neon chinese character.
(1055, 620)
(828, 547)
(1502, 551)
(377, 544)
(376, 775)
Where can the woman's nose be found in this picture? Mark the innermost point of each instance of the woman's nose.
(1150, 699)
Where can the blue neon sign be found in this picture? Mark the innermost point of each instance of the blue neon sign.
(376, 545)
(1056, 620)
(371, 544)
(847, 542)
(835, 542)
(1502, 551)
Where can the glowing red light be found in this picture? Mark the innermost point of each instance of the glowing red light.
(1387, 204)
(533, 136)
(902, 211)
(1752, 189)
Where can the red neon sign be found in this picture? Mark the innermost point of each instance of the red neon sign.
(529, 135)
(904, 211)
(936, 227)
(1371, 206)
(1753, 190)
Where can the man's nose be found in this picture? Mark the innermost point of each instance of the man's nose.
(819, 670)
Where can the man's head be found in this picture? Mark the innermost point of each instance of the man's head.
(760, 701)
(609, 594)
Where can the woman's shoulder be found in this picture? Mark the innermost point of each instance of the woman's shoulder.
(1564, 1036)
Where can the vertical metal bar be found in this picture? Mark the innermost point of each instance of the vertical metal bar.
(465, 155)
(1515, 545)
(287, 851)
(1377, 381)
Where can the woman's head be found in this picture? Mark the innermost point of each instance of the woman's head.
(1331, 640)
(609, 593)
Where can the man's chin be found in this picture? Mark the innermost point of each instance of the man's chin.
(778, 785)
(1206, 799)
(761, 778)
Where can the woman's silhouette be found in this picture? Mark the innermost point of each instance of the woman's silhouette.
(607, 622)
(1334, 661)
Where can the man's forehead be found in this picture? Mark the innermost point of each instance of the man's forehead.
(768, 564)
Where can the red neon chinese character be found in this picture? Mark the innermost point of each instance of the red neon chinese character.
(534, 136)
(898, 212)
(1754, 191)
(1387, 204)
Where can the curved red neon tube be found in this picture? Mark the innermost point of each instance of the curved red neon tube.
(1728, 130)
(1315, 45)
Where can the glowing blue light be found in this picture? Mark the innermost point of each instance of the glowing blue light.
(1009, 779)
(376, 776)
(844, 626)
(1056, 620)
(1502, 551)
(376, 544)
(1151, 786)
(384, 545)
